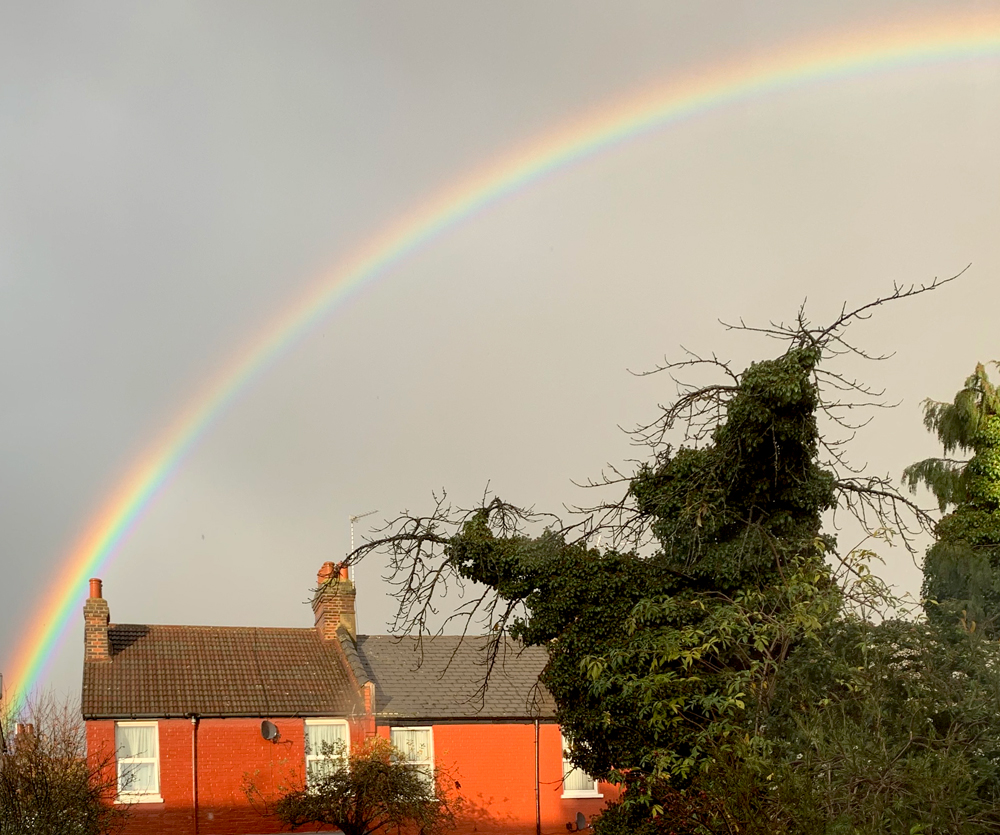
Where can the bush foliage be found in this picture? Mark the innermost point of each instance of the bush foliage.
(371, 789)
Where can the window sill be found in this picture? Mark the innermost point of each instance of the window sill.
(581, 794)
(128, 799)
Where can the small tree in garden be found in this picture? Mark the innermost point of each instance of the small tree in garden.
(372, 789)
(48, 786)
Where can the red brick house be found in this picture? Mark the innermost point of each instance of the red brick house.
(183, 706)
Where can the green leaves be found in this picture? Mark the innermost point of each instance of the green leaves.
(883, 728)
(962, 569)
(371, 790)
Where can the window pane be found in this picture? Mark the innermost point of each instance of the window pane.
(137, 778)
(326, 740)
(135, 741)
(577, 780)
(414, 744)
(317, 769)
(427, 773)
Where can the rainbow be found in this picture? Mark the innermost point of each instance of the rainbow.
(902, 45)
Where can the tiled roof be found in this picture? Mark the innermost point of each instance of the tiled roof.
(162, 671)
(442, 677)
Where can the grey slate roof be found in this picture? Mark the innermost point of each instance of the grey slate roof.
(445, 682)
(162, 671)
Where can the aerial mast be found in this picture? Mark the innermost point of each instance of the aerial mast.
(350, 568)
(354, 519)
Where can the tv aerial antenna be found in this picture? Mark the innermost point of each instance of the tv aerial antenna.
(350, 568)
(354, 519)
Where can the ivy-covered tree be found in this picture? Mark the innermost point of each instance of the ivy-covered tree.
(962, 568)
(669, 613)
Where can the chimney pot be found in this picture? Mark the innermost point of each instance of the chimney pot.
(325, 573)
(96, 587)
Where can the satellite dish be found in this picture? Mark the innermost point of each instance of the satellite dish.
(269, 730)
(581, 821)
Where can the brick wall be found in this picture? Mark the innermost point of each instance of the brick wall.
(495, 765)
(96, 614)
(230, 753)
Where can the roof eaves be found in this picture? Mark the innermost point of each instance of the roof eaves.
(128, 717)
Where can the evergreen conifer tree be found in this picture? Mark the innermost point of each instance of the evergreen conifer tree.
(962, 568)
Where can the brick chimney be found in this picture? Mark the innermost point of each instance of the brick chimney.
(96, 615)
(333, 603)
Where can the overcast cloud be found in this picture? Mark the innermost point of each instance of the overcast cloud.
(173, 175)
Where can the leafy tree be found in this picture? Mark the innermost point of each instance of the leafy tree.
(370, 790)
(666, 644)
(888, 728)
(683, 812)
(48, 786)
(962, 568)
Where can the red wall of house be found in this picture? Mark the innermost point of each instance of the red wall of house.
(495, 765)
(231, 753)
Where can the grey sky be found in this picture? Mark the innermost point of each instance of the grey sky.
(172, 175)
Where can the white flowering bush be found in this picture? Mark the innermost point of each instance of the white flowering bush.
(890, 728)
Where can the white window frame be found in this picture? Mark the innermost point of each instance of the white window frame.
(153, 796)
(320, 757)
(568, 768)
(429, 761)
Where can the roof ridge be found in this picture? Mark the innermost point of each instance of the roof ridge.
(350, 648)
(209, 626)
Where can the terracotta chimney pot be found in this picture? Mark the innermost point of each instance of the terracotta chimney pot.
(95, 588)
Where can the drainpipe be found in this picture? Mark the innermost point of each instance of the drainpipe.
(194, 770)
(538, 788)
